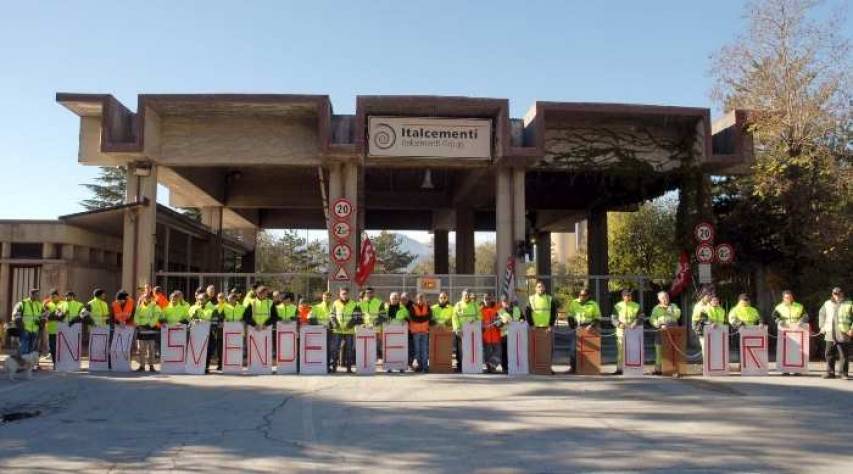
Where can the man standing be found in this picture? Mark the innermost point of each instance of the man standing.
(664, 315)
(419, 329)
(836, 318)
(343, 327)
(586, 313)
(491, 333)
(442, 312)
(743, 314)
(626, 314)
(177, 311)
(320, 314)
(465, 311)
(261, 311)
(54, 316)
(147, 318)
(789, 313)
(371, 306)
(509, 313)
(712, 315)
(123, 308)
(28, 316)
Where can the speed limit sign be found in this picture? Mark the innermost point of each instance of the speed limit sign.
(341, 230)
(704, 232)
(341, 253)
(342, 208)
(704, 253)
(725, 253)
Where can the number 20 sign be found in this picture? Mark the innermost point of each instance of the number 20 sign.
(342, 209)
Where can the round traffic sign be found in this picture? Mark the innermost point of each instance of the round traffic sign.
(725, 253)
(704, 232)
(704, 253)
(341, 252)
(342, 208)
(341, 230)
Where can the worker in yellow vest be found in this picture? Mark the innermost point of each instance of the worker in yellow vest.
(701, 305)
(320, 314)
(53, 317)
(29, 315)
(232, 310)
(442, 312)
(346, 314)
(261, 311)
(712, 314)
(743, 314)
(71, 309)
(147, 319)
(789, 313)
(287, 311)
(626, 314)
(835, 320)
(509, 312)
(177, 311)
(583, 313)
(466, 310)
(664, 315)
(372, 307)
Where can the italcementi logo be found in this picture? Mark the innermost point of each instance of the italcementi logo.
(384, 136)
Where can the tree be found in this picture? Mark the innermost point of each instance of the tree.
(643, 242)
(791, 215)
(485, 254)
(289, 253)
(108, 189)
(390, 258)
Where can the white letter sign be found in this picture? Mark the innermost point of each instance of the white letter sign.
(365, 350)
(259, 350)
(197, 343)
(472, 348)
(753, 351)
(634, 360)
(68, 342)
(99, 354)
(232, 348)
(313, 350)
(173, 349)
(286, 348)
(120, 348)
(395, 346)
(792, 349)
(715, 358)
(516, 346)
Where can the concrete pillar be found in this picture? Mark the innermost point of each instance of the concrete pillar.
(441, 251)
(212, 218)
(464, 240)
(167, 247)
(5, 281)
(543, 254)
(503, 218)
(519, 221)
(140, 227)
(597, 256)
(343, 183)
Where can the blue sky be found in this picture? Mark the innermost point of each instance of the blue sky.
(628, 51)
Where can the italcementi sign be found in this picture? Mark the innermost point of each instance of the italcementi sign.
(429, 137)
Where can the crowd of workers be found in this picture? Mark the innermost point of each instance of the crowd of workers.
(35, 320)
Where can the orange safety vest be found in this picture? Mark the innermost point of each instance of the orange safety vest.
(123, 313)
(491, 335)
(303, 311)
(420, 311)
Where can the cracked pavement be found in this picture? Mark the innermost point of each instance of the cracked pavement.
(434, 423)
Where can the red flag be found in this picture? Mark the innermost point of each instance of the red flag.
(367, 260)
(682, 275)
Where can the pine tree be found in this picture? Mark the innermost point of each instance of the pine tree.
(390, 258)
(108, 190)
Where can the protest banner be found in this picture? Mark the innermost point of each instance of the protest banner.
(259, 350)
(286, 348)
(472, 348)
(99, 348)
(365, 350)
(588, 351)
(634, 361)
(754, 346)
(313, 347)
(516, 347)
(197, 345)
(120, 348)
(173, 349)
(792, 349)
(715, 352)
(395, 346)
(69, 340)
(232, 348)
(440, 350)
(541, 343)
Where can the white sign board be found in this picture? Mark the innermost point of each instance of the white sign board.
(472, 348)
(792, 349)
(120, 348)
(69, 339)
(232, 348)
(286, 348)
(395, 346)
(313, 347)
(173, 349)
(634, 354)
(99, 352)
(715, 354)
(259, 350)
(365, 350)
(705, 276)
(753, 350)
(197, 342)
(516, 347)
(429, 137)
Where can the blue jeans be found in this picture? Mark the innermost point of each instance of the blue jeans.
(421, 343)
(28, 340)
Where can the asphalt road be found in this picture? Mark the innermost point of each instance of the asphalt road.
(437, 423)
